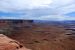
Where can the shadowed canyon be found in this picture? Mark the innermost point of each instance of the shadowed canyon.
(41, 35)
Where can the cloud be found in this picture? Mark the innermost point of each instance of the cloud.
(67, 9)
(36, 9)
(48, 17)
(11, 5)
(63, 6)
(52, 17)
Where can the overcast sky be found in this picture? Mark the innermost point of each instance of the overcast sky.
(37, 9)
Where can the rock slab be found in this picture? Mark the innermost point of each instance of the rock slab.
(7, 43)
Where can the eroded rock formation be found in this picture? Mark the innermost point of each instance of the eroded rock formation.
(9, 44)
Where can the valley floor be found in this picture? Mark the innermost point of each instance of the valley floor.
(46, 37)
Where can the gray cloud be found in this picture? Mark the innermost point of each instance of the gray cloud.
(37, 8)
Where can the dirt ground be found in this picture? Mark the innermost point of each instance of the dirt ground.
(45, 37)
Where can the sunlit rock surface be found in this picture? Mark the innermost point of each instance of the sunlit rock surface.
(9, 44)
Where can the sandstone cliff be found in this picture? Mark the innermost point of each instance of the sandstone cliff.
(10, 44)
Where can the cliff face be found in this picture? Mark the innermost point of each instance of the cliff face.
(8, 27)
(9, 44)
(9, 22)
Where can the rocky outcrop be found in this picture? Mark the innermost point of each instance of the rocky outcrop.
(9, 44)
